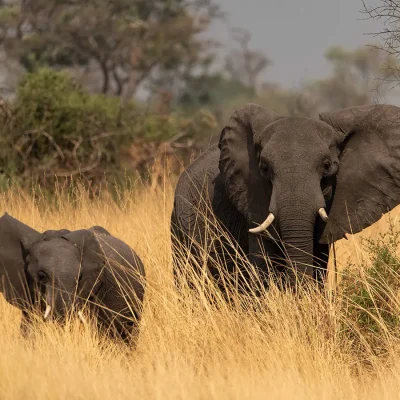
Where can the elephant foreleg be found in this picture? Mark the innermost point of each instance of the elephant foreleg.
(320, 261)
(26, 324)
(261, 250)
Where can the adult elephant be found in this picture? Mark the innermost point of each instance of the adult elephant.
(58, 270)
(307, 182)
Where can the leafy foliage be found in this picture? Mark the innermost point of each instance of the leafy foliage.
(126, 42)
(357, 76)
(55, 128)
(371, 294)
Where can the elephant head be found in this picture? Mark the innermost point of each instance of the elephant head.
(289, 173)
(51, 270)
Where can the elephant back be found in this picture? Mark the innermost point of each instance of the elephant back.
(123, 267)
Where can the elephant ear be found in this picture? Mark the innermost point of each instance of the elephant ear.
(238, 160)
(99, 230)
(53, 234)
(92, 259)
(15, 239)
(368, 182)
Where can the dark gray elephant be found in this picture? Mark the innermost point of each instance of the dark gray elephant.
(307, 182)
(57, 270)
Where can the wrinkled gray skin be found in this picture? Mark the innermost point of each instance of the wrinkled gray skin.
(347, 162)
(66, 269)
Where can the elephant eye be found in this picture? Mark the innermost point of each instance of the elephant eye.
(327, 164)
(42, 276)
(330, 167)
(264, 169)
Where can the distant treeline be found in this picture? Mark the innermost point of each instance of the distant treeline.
(100, 89)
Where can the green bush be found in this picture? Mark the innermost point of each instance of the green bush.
(371, 295)
(55, 128)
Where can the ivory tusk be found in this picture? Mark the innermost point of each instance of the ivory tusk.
(322, 213)
(264, 226)
(81, 317)
(47, 312)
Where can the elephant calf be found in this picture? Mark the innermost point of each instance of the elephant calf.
(58, 270)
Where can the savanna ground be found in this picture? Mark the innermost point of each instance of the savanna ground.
(274, 346)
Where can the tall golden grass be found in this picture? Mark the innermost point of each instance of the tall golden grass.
(276, 346)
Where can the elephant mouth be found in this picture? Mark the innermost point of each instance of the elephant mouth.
(48, 313)
(51, 311)
(271, 217)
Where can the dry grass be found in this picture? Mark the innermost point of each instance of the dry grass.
(278, 347)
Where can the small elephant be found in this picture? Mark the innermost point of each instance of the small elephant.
(56, 270)
(288, 187)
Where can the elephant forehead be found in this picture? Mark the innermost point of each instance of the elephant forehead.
(297, 129)
(55, 249)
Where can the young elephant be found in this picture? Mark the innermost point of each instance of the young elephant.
(55, 270)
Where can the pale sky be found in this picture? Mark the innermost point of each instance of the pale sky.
(294, 34)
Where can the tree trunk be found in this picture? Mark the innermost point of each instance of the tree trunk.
(106, 78)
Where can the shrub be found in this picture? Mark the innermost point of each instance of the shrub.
(371, 295)
(55, 129)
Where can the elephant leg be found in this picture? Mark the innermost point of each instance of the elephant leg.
(320, 261)
(260, 250)
(178, 259)
(26, 324)
(187, 264)
(121, 329)
(116, 319)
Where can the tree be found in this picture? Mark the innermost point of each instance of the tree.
(355, 79)
(244, 64)
(127, 42)
(387, 11)
(211, 91)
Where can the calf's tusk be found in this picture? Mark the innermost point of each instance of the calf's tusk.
(81, 317)
(322, 213)
(264, 226)
(47, 312)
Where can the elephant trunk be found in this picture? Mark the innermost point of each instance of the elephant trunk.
(57, 302)
(64, 301)
(297, 213)
(298, 200)
(297, 233)
(48, 296)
